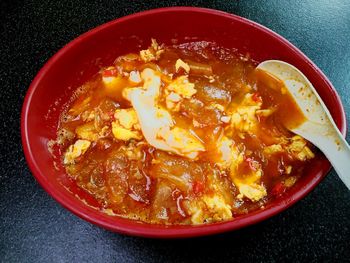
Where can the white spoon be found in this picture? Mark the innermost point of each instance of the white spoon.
(319, 127)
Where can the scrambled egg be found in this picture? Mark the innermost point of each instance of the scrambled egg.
(253, 191)
(152, 53)
(135, 77)
(288, 169)
(243, 116)
(226, 152)
(177, 90)
(228, 156)
(75, 150)
(156, 123)
(126, 125)
(183, 87)
(126, 117)
(248, 184)
(180, 140)
(225, 119)
(290, 181)
(272, 149)
(133, 150)
(172, 101)
(209, 209)
(91, 132)
(299, 149)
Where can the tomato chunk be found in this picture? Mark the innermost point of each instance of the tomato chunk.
(109, 72)
(256, 97)
(197, 187)
(278, 189)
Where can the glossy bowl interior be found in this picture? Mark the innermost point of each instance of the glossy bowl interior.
(83, 57)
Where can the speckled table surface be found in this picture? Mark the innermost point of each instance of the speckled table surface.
(34, 228)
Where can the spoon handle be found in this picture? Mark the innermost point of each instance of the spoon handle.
(338, 153)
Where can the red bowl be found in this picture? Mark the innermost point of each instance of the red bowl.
(80, 59)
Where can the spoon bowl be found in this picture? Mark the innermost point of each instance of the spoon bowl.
(318, 127)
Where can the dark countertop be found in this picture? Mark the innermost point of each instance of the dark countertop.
(34, 228)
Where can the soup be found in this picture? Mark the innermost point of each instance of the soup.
(182, 134)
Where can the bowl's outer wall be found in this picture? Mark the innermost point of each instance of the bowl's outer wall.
(83, 57)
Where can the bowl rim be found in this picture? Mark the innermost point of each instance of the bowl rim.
(160, 231)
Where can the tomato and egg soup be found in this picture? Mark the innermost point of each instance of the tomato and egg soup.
(183, 134)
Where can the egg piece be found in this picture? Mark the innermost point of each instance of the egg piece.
(152, 53)
(176, 91)
(209, 209)
(181, 140)
(251, 187)
(183, 87)
(123, 134)
(126, 125)
(217, 205)
(135, 77)
(126, 117)
(172, 101)
(225, 119)
(76, 150)
(243, 116)
(290, 181)
(299, 149)
(226, 152)
(156, 123)
(249, 184)
(254, 191)
(296, 146)
(272, 149)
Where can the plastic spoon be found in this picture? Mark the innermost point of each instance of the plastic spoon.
(319, 127)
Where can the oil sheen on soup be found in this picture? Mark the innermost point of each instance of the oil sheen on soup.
(183, 134)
